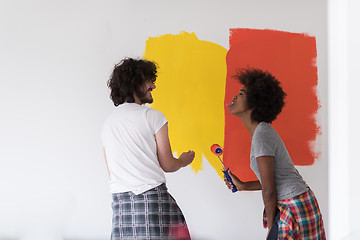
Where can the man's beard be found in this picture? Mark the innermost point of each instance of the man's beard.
(144, 99)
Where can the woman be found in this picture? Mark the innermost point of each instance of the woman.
(291, 209)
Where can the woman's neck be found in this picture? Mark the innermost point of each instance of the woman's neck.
(249, 124)
(252, 126)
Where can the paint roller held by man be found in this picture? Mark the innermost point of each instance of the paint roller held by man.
(138, 152)
(291, 210)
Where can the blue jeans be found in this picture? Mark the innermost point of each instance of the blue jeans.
(273, 234)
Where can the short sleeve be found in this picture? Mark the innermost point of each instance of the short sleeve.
(155, 119)
(263, 144)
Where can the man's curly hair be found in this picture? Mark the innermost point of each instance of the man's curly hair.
(263, 93)
(128, 77)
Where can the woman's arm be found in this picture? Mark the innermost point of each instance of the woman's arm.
(166, 159)
(243, 186)
(266, 170)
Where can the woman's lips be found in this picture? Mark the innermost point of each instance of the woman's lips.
(230, 104)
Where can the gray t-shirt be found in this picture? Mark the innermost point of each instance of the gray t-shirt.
(267, 142)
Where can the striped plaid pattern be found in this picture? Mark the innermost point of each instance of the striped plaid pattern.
(300, 218)
(150, 215)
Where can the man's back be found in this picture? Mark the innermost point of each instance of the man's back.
(129, 141)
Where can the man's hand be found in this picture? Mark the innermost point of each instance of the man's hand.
(186, 158)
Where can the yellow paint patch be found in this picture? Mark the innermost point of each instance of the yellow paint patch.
(190, 91)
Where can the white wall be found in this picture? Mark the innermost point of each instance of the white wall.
(55, 58)
(344, 113)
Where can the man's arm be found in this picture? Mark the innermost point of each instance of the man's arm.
(166, 159)
(107, 165)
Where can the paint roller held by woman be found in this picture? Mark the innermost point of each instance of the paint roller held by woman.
(291, 210)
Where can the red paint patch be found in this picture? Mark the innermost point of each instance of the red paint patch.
(291, 58)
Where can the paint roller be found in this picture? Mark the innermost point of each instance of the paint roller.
(218, 151)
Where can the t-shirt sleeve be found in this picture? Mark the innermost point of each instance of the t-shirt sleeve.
(155, 119)
(263, 144)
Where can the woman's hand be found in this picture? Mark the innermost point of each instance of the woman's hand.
(237, 182)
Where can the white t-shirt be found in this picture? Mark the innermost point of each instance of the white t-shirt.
(128, 138)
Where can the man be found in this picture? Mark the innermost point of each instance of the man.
(138, 152)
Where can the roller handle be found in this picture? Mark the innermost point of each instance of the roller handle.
(226, 172)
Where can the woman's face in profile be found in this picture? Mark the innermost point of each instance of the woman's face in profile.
(238, 104)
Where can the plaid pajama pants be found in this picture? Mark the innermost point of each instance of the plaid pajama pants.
(300, 218)
(153, 214)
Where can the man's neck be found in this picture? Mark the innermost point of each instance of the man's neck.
(137, 100)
